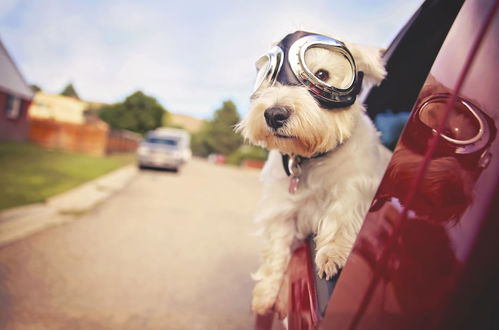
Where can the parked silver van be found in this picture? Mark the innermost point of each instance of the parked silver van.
(167, 148)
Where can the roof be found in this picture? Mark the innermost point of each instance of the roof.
(11, 79)
(167, 131)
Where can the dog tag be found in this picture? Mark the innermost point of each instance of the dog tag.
(295, 171)
(293, 184)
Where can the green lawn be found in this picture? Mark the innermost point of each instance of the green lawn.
(30, 174)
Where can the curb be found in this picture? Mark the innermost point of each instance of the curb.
(20, 222)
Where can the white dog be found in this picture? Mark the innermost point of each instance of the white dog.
(304, 106)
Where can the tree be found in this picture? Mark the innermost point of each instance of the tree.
(199, 144)
(138, 113)
(166, 120)
(217, 135)
(35, 88)
(69, 90)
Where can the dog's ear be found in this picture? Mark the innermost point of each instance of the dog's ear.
(369, 60)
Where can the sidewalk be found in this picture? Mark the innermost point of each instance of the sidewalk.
(20, 222)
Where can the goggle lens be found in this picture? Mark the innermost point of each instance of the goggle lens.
(263, 72)
(329, 66)
(463, 124)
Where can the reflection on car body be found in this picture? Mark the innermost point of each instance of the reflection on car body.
(412, 263)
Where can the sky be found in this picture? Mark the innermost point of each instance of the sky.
(190, 55)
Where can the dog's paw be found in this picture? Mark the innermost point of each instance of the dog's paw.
(329, 261)
(264, 296)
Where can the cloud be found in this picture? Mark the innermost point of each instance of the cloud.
(190, 55)
(7, 7)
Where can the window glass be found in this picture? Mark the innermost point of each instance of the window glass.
(165, 141)
(13, 107)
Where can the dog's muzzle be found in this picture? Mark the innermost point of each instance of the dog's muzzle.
(286, 64)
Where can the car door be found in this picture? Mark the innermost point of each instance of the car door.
(424, 257)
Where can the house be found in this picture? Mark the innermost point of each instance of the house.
(59, 108)
(15, 99)
(71, 124)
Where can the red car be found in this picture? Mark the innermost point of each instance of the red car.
(425, 257)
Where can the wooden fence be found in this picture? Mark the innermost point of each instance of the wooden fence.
(122, 141)
(93, 138)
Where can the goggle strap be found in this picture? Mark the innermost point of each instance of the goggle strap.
(358, 83)
(339, 104)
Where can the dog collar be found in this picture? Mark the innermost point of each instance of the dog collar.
(292, 167)
(298, 159)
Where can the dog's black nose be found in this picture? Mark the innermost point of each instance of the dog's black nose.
(276, 116)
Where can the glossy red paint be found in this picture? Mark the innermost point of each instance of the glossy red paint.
(264, 322)
(303, 312)
(413, 254)
(298, 288)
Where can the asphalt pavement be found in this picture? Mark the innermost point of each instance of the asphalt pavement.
(165, 251)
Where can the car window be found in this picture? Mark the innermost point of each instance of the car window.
(164, 141)
(408, 62)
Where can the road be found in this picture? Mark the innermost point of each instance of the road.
(170, 251)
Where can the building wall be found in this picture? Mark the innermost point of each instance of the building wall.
(58, 107)
(13, 129)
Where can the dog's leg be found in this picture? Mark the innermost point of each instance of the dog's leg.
(275, 258)
(333, 250)
(338, 230)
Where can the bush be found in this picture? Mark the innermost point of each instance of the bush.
(247, 153)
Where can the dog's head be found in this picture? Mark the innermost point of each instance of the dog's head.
(305, 94)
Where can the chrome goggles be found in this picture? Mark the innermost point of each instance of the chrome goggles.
(468, 131)
(291, 62)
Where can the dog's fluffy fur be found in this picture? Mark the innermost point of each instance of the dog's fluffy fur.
(335, 191)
